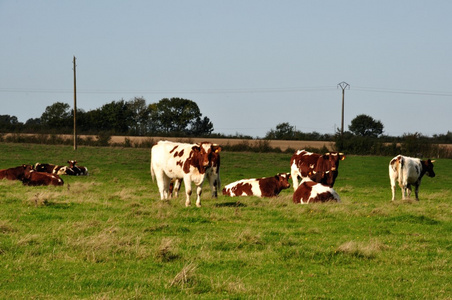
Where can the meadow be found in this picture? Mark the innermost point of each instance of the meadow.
(109, 236)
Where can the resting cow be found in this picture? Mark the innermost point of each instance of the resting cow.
(73, 169)
(260, 187)
(408, 171)
(49, 168)
(181, 161)
(310, 192)
(16, 173)
(319, 168)
(34, 178)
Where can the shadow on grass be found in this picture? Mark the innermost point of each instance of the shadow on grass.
(230, 204)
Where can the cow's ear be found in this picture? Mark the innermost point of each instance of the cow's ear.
(432, 161)
(343, 157)
(196, 148)
(217, 149)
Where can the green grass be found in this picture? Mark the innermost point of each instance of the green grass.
(109, 236)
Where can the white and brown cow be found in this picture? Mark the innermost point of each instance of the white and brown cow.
(73, 169)
(260, 187)
(310, 192)
(321, 168)
(212, 175)
(408, 171)
(181, 161)
(49, 168)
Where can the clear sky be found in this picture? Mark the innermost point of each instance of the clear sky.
(248, 64)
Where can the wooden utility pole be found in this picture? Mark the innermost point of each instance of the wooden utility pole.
(75, 107)
(343, 85)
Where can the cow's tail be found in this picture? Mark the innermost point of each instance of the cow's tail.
(152, 172)
(400, 168)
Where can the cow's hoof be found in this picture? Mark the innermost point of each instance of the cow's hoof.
(198, 204)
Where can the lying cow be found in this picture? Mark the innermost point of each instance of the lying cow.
(16, 173)
(181, 161)
(310, 192)
(49, 168)
(34, 178)
(260, 187)
(75, 170)
(408, 171)
(321, 168)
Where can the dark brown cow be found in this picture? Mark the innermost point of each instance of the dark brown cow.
(310, 192)
(16, 173)
(321, 168)
(260, 187)
(33, 178)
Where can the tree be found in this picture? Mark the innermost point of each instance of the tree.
(364, 125)
(57, 115)
(139, 116)
(283, 131)
(179, 115)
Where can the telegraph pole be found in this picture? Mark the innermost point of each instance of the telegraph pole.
(343, 85)
(75, 107)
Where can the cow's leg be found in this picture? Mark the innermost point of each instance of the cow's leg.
(408, 187)
(214, 185)
(163, 182)
(176, 187)
(294, 175)
(393, 188)
(187, 183)
(198, 195)
(416, 191)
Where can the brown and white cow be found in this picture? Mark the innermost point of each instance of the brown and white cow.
(408, 171)
(34, 178)
(309, 192)
(212, 175)
(75, 170)
(49, 168)
(16, 173)
(181, 161)
(321, 168)
(260, 187)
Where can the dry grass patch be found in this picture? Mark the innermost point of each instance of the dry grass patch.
(367, 250)
(167, 250)
(6, 227)
(186, 276)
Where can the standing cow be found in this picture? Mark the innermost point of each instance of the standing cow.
(260, 187)
(321, 168)
(309, 192)
(212, 175)
(181, 161)
(408, 171)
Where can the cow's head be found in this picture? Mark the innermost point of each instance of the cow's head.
(283, 180)
(427, 166)
(326, 169)
(71, 163)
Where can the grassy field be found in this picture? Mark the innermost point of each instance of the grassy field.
(108, 236)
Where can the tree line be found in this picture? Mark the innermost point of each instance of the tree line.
(171, 117)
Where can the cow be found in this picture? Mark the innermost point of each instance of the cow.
(408, 171)
(181, 161)
(34, 178)
(309, 192)
(212, 174)
(16, 173)
(321, 168)
(75, 170)
(49, 168)
(260, 187)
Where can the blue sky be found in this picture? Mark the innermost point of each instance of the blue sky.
(249, 65)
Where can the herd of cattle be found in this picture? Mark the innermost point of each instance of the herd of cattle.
(43, 174)
(172, 163)
(313, 175)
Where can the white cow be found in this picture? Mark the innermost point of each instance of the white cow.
(181, 161)
(408, 171)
